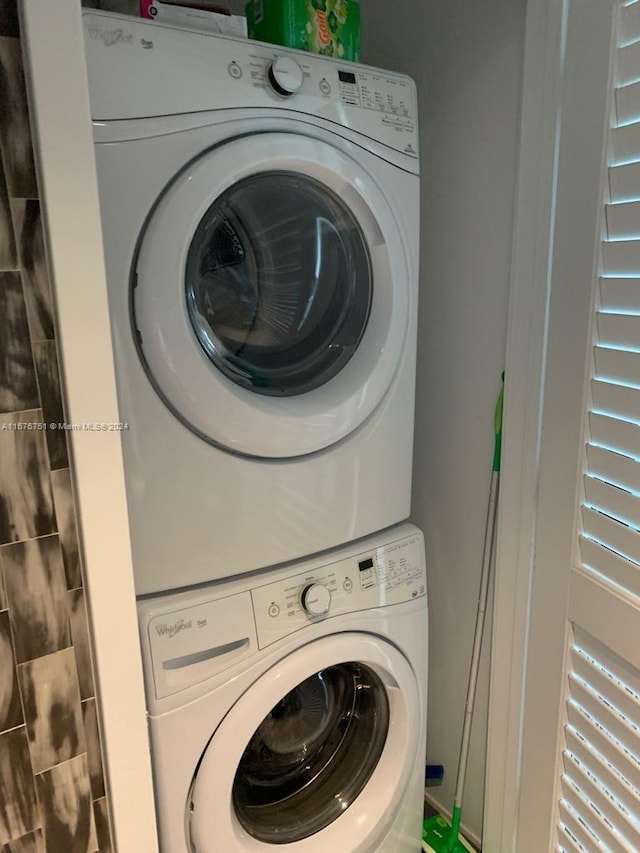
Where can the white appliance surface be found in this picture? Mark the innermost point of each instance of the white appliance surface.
(248, 690)
(266, 421)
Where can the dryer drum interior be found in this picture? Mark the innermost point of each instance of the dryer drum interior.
(312, 754)
(279, 283)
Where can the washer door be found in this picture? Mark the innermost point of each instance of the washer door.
(315, 756)
(271, 295)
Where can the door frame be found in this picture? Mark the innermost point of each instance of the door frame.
(525, 457)
(66, 171)
(525, 356)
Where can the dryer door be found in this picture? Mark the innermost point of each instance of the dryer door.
(270, 298)
(315, 756)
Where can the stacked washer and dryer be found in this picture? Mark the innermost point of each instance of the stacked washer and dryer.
(260, 219)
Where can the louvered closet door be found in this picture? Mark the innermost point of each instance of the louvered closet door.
(581, 745)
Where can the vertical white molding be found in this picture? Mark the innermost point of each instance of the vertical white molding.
(55, 66)
(566, 71)
(525, 357)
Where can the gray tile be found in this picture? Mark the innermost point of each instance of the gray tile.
(94, 755)
(66, 517)
(18, 387)
(9, 18)
(101, 812)
(80, 639)
(8, 253)
(15, 133)
(18, 807)
(26, 503)
(10, 707)
(35, 272)
(46, 359)
(52, 709)
(66, 807)
(37, 595)
(31, 843)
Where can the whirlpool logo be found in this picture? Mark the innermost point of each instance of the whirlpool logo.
(109, 37)
(172, 630)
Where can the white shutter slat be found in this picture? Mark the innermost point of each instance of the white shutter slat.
(623, 220)
(618, 400)
(608, 820)
(600, 782)
(615, 434)
(618, 330)
(627, 99)
(624, 180)
(625, 144)
(621, 257)
(589, 814)
(618, 365)
(608, 683)
(614, 468)
(566, 844)
(603, 741)
(629, 63)
(611, 566)
(620, 537)
(601, 702)
(605, 715)
(619, 789)
(569, 819)
(630, 24)
(620, 295)
(612, 501)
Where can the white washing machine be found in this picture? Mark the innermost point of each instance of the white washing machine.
(287, 712)
(260, 218)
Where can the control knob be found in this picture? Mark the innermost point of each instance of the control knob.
(285, 75)
(315, 599)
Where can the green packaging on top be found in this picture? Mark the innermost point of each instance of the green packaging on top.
(328, 27)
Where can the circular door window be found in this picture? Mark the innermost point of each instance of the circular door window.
(278, 283)
(312, 754)
(271, 293)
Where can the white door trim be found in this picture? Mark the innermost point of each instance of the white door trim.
(525, 357)
(519, 809)
(54, 55)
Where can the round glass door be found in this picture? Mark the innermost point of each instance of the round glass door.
(312, 754)
(270, 295)
(278, 283)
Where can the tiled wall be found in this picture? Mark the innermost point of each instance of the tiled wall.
(52, 792)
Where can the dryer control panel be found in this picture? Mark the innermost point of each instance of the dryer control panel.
(215, 72)
(390, 574)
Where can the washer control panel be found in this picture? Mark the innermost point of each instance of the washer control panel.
(391, 574)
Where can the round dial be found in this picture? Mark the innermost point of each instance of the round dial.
(315, 599)
(285, 75)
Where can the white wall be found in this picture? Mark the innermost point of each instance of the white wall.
(466, 59)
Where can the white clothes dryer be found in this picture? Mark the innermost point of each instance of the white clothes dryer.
(260, 219)
(287, 713)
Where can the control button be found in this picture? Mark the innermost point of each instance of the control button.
(325, 86)
(234, 70)
(347, 585)
(285, 76)
(274, 610)
(315, 599)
